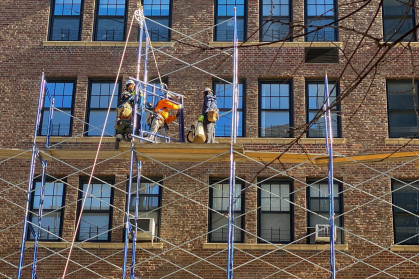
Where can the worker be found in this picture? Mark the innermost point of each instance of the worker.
(165, 112)
(130, 88)
(123, 118)
(209, 114)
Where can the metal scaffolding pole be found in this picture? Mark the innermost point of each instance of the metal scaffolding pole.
(40, 210)
(234, 124)
(31, 174)
(329, 148)
(140, 96)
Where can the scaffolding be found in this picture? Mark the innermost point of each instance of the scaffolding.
(232, 153)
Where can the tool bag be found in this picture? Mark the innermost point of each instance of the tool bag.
(213, 115)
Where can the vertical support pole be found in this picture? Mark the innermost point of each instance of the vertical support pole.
(40, 212)
(181, 122)
(51, 114)
(137, 88)
(329, 148)
(127, 207)
(234, 124)
(138, 98)
(137, 202)
(31, 175)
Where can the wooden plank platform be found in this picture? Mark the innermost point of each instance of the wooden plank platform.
(184, 152)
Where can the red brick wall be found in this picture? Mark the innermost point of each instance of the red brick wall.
(184, 222)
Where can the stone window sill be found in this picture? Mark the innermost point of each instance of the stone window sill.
(96, 245)
(279, 44)
(291, 247)
(405, 248)
(100, 44)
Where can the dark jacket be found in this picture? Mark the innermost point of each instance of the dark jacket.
(210, 103)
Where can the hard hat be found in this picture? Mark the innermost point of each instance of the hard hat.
(207, 89)
(129, 82)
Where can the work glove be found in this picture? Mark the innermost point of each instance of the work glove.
(201, 118)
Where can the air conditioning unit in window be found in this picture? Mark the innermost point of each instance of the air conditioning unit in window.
(146, 228)
(323, 233)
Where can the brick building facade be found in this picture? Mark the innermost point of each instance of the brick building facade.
(281, 78)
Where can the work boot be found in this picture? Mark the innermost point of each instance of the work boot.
(118, 138)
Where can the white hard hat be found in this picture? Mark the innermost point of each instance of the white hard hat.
(129, 82)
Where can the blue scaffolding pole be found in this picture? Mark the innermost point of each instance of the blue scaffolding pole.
(329, 148)
(234, 125)
(31, 174)
(40, 212)
(139, 98)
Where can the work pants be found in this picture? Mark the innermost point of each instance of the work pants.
(209, 128)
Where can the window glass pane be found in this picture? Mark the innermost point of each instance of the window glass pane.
(219, 226)
(156, 31)
(275, 124)
(225, 30)
(110, 30)
(275, 227)
(50, 224)
(398, 19)
(397, 7)
(94, 226)
(65, 29)
(67, 7)
(98, 197)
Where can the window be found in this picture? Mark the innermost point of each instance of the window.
(100, 93)
(65, 22)
(275, 115)
(158, 18)
(402, 103)
(320, 18)
(315, 100)
(224, 13)
(224, 93)
(218, 215)
(398, 19)
(405, 212)
(110, 20)
(275, 16)
(150, 202)
(52, 210)
(63, 94)
(274, 208)
(318, 207)
(95, 221)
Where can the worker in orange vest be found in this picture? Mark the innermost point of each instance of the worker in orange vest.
(163, 115)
